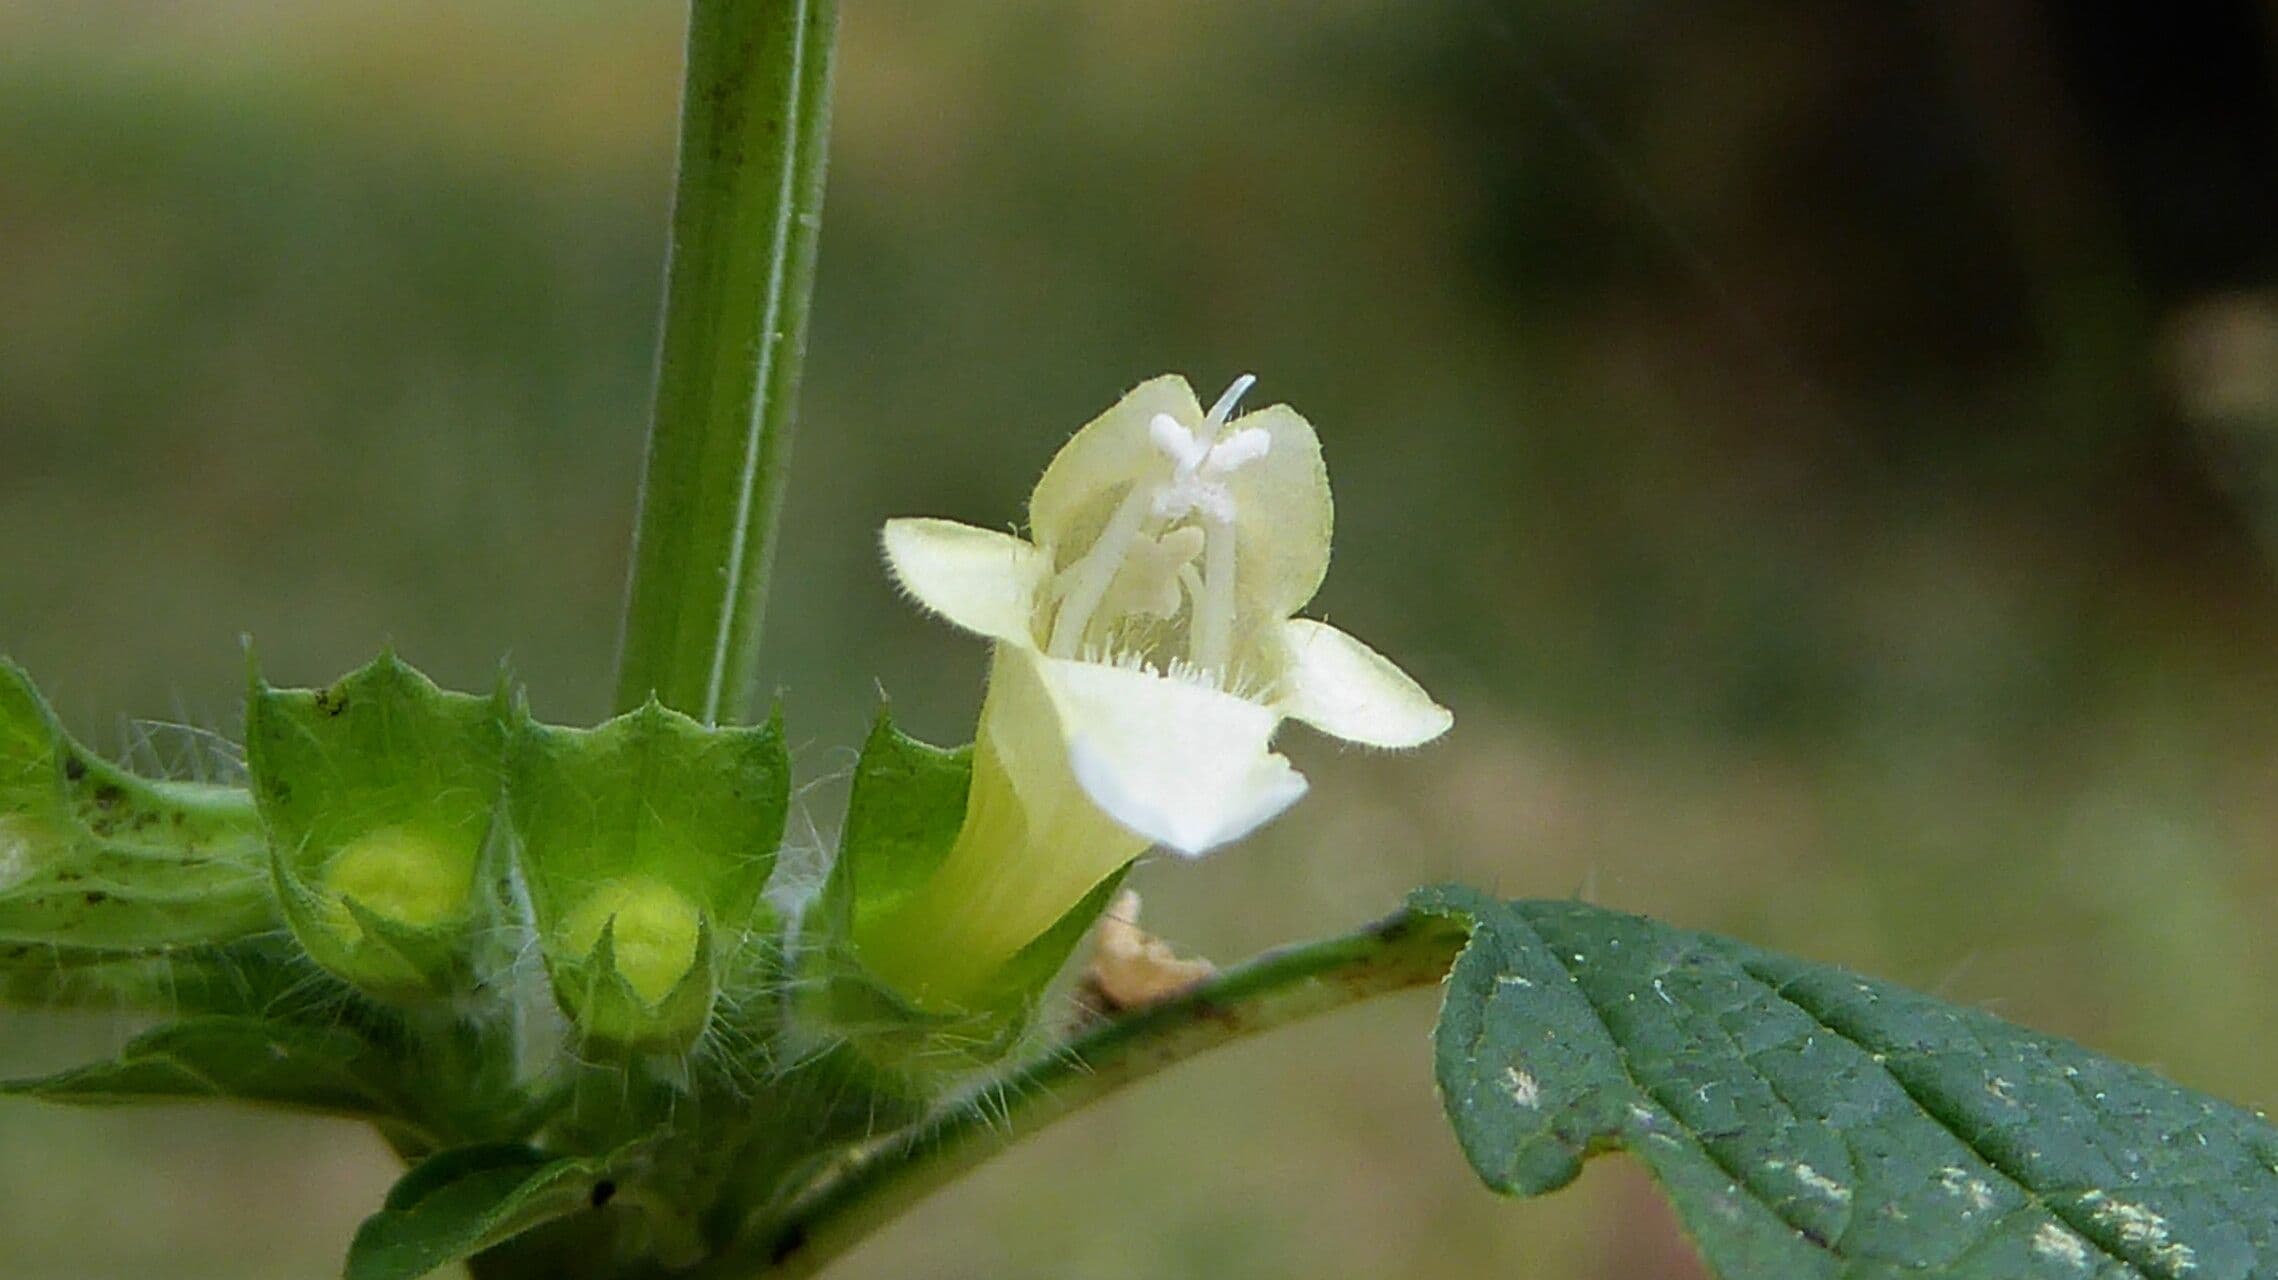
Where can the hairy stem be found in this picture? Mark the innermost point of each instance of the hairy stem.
(754, 128)
(871, 1188)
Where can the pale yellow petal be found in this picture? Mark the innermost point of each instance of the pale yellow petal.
(1283, 518)
(978, 579)
(1080, 489)
(1344, 688)
(1179, 763)
(1022, 758)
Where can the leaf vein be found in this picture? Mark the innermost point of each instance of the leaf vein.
(2086, 1226)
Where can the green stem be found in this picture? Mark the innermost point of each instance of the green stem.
(754, 128)
(872, 1188)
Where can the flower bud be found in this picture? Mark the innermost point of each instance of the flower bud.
(654, 931)
(399, 876)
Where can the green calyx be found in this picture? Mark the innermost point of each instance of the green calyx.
(865, 967)
(645, 844)
(380, 793)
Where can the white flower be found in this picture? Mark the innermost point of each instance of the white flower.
(1146, 648)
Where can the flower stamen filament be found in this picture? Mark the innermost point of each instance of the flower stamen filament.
(1089, 578)
(1196, 495)
(1210, 639)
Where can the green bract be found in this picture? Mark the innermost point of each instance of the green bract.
(380, 794)
(646, 844)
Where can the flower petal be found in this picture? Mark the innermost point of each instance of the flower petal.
(1089, 473)
(1179, 763)
(1344, 688)
(1282, 516)
(979, 579)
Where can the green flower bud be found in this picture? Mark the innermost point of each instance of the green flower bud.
(654, 931)
(400, 876)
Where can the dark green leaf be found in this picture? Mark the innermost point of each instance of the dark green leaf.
(1807, 1122)
(463, 1201)
(223, 1057)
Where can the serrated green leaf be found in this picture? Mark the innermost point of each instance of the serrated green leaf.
(220, 1057)
(379, 793)
(462, 1201)
(95, 860)
(646, 843)
(1807, 1122)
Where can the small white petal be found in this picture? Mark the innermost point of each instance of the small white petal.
(1344, 688)
(1148, 582)
(979, 579)
(1183, 765)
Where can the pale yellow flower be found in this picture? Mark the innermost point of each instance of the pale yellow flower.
(1146, 651)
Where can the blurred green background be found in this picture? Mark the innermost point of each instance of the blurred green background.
(1826, 452)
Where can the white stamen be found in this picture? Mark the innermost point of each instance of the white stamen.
(1201, 459)
(1230, 454)
(1190, 577)
(1185, 450)
(1089, 578)
(1184, 497)
(1210, 641)
(1198, 472)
